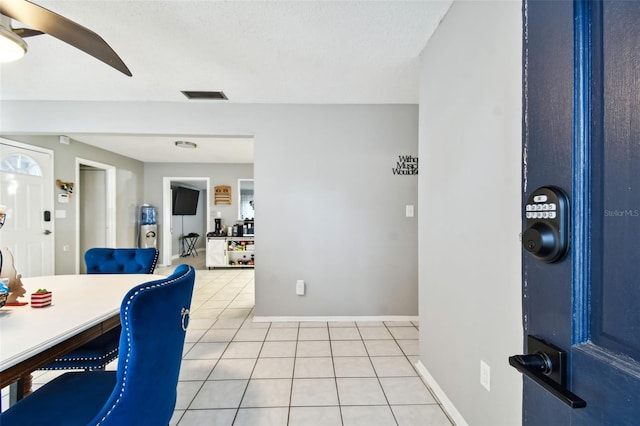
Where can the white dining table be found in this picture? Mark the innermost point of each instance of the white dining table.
(83, 307)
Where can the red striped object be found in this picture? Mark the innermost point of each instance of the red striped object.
(40, 300)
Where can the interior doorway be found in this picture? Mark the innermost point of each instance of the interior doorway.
(95, 207)
(172, 230)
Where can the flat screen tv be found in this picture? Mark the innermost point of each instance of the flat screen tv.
(185, 201)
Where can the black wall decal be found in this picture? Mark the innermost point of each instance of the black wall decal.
(406, 165)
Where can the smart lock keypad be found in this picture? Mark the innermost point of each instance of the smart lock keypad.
(546, 225)
(541, 210)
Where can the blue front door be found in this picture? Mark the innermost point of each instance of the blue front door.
(581, 135)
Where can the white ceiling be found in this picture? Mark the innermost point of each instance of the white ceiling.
(326, 52)
(213, 149)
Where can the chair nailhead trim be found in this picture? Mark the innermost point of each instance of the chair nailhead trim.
(126, 328)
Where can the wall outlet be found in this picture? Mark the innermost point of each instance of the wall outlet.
(485, 375)
(66, 247)
(409, 210)
(300, 287)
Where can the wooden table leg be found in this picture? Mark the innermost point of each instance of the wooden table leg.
(27, 381)
(20, 389)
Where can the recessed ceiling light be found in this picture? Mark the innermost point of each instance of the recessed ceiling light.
(195, 94)
(185, 144)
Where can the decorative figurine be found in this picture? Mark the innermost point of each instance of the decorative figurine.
(7, 270)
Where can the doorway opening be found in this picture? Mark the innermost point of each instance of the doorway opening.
(176, 227)
(95, 207)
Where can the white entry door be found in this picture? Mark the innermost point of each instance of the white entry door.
(26, 189)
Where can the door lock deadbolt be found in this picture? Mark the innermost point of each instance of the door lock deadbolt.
(546, 234)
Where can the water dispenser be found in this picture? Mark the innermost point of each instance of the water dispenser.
(148, 227)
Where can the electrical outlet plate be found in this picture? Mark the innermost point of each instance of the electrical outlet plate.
(485, 376)
(300, 287)
(409, 210)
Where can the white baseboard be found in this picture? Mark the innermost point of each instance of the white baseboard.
(338, 318)
(446, 403)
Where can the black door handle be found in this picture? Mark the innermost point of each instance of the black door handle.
(546, 365)
(534, 362)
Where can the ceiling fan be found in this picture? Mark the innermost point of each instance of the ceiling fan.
(44, 21)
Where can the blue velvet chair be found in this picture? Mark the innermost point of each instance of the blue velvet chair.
(96, 354)
(142, 391)
(121, 260)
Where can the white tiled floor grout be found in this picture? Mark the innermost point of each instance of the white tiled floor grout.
(237, 372)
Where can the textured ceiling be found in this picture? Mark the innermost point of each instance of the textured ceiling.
(213, 149)
(326, 52)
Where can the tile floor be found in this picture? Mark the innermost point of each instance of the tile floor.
(238, 372)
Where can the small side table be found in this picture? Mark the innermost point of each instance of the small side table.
(189, 245)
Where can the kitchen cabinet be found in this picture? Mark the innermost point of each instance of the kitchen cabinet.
(230, 252)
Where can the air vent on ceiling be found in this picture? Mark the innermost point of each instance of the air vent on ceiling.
(194, 94)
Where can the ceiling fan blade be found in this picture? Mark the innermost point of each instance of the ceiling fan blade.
(63, 29)
(26, 32)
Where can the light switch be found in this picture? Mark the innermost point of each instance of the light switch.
(300, 287)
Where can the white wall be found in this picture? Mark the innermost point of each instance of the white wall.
(328, 207)
(470, 139)
(331, 212)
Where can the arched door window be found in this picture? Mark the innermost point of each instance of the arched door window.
(21, 164)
